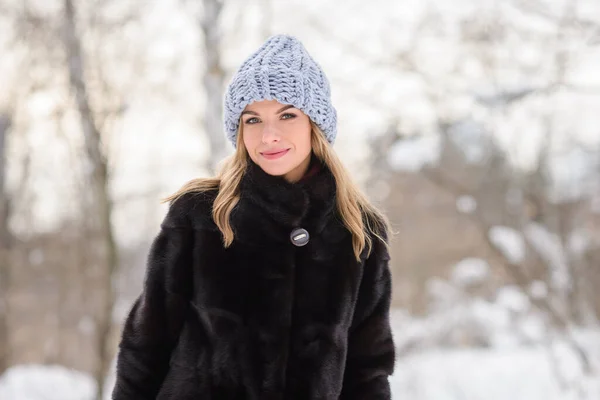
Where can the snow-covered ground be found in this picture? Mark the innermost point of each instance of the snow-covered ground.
(40, 382)
(515, 373)
(519, 374)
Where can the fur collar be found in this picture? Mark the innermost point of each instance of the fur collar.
(271, 207)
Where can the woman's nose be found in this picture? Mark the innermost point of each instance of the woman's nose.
(270, 133)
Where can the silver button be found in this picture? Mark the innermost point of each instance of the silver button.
(299, 236)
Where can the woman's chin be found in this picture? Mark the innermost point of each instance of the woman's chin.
(276, 170)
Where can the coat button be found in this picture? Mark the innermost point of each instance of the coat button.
(299, 237)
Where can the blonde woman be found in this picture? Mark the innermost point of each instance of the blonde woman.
(270, 280)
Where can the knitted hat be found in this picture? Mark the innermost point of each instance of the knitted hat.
(281, 69)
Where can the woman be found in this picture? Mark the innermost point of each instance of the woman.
(270, 281)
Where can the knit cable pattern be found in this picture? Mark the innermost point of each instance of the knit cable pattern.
(281, 69)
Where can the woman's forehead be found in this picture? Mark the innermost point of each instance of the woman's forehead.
(265, 105)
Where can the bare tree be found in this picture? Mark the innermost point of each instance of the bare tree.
(536, 216)
(5, 243)
(213, 79)
(99, 185)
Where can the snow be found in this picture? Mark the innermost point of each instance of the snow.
(441, 291)
(523, 359)
(574, 174)
(549, 247)
(456, 318)
(509, 242)
(513, 299)
(414, 153)
(476, 374)
(579, 241)
(466, 204)
(545, 243)
(41, 382)
(470, 271)
(498, 373)
(471, 139)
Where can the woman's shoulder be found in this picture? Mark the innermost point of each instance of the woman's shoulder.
(192, 209)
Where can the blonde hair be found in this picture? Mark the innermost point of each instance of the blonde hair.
(358, 215)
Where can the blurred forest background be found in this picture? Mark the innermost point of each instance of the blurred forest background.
(473, 124)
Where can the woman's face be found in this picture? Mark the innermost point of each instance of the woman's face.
(278, 138)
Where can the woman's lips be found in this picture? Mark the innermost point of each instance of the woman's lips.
(275, 156)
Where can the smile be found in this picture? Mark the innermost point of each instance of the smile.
(275, 156)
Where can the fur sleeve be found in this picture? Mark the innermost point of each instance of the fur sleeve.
(152, 327)
(371, 353)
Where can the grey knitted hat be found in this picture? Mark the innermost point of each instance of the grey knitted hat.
(281, 69)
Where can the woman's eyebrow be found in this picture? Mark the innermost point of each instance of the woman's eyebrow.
(282, 109)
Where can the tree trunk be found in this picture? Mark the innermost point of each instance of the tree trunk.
(213, 79)
(99, 186)
(5, 243)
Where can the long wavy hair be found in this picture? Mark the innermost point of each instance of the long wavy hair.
(360, 217)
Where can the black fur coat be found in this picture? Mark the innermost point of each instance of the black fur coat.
(264, 319)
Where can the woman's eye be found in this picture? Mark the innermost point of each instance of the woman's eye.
(251, 121)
